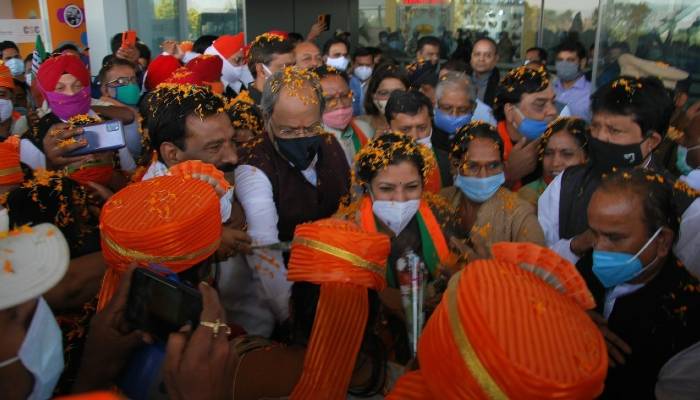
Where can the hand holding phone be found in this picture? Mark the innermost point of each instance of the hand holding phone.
(325, 20)
(128, 39)
(106, 136)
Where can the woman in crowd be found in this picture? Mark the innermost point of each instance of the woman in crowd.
(488, 212)
(385, 79)
(563, 145)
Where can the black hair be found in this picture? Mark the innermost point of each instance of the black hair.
(407, 102)
(203, 42)
(374, 51)
(459, 144)
(624, 46)
(361, 52)
(541, 53)
(388, 149)
(167, 108)
(116, 42)
(262, 51)
(657, 193)
(646, 100)
(304, 301)
(383, 71)
(576, 127)
(295, 37)
(335, 40)
(111, 63)
(427, 40)
(572, 46)
(457, 66)
(67, 46)
(144, 51)
(422, 73)
(8, 44)
(487, 39)
(518, 81)
(324, 71)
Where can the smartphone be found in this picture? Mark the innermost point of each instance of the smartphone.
(160, 306)
(128, 38)
(325, 19)
(106, 136)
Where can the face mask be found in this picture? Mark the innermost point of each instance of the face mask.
(426, 141)
(450, 123)
(339, 63)
(66, 106)
(268, 73)
(299, 151)
(681, 159)
(5, 109)
(615, 268)
(338, 119)
(232, 73)
(128, 94)
(479, 190)
(566, 70)
(532, 129)
(16, 66)
(41, 352)
(363, 72)
(395, 214)
(381, 105)
(606, 156)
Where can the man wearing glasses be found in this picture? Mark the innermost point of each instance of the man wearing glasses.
(296, 173)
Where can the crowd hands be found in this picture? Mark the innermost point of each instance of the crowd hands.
(277, 192)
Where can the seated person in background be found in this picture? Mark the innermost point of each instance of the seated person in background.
(571, 86)
(337, 270)
(488, 212)
(563, 145)
(646, 296)
(337, 114)
(31, 353)
(524, 107)
(513, 322)
(411, 113)
(456, 105)
(386, 78)
(307, 55)
(362, 68)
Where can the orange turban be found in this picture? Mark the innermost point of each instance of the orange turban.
(10, 170)
(169, 220)
(160, 69)
(6, 80)
(197, 169)
(345, 261)
(53, 68)
(510, 327)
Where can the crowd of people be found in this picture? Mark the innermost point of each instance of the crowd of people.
(345, 226)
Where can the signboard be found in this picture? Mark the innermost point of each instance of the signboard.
(20, 30)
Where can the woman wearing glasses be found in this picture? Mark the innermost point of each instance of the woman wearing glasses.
(386, 79)
(487, 211)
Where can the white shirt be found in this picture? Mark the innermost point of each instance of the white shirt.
(687, 247)
(482, 112)
(254, 191)
(617, 292)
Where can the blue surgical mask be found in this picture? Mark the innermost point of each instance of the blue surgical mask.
(450, 123)
(532, 129)
(480, 189)
(614, 268)
(16, 66)
(681, 159)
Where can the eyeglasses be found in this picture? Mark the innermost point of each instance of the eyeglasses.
(455, 110)
(121, 81)
(340, 99)
(472, 168)
(312, 130)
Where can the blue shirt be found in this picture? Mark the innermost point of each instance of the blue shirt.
(484, 113)
(577, 97)
(358, 96)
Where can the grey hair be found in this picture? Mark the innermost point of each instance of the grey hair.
(454, 80)
(289, 78)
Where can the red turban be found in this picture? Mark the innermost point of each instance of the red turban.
(207, 66)
(183, 75)
(6, 77)
(160, 69)
(53, 68)
(228, 45)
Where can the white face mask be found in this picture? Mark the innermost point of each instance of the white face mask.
(363, 72)
(5, 109)
(381, 105)
(395, 214)
(268, 73)
(340, 63)
(231, 73)
(426, 141)
(41, 352)
(16, 66)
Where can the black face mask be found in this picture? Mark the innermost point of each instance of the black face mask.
(299, 151)
(606, 156)
(226, 167)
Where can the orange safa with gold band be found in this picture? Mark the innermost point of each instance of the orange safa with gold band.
(172, 221)
(511, 327)
(346, 261)
(10, 170)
